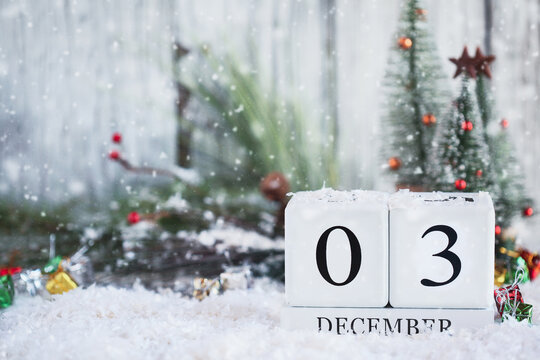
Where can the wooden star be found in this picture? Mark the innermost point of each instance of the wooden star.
(482, 62)
(465, 63)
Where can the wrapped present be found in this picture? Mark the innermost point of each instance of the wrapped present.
(79, 267)
(203, 287)
(520, 311)
(509, 294)
(60, 282)
(7, 291)
(52, 265)
(509, 300)
(524, 312)
(236, 278)
(29, 281)
(232, 278)
(10, 270)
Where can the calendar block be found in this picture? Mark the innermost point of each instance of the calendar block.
(336, 249)
(385, 321)
(441, 250)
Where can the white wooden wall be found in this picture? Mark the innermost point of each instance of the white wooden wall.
(72, 72)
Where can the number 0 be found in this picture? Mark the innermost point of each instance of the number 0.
(356, 255)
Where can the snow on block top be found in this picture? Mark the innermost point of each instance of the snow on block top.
(345, 198)
(404, 199)
(336, 249)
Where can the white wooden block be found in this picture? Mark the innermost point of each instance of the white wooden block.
(441, 250)
(336, 249)
(385, 321)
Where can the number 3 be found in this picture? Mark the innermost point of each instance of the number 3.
(445, 254)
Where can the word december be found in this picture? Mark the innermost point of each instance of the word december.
(358, 325)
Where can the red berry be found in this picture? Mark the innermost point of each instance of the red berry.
(504, 123)
(467, 125)
(117, 138)
(498, 230)
(133, 217)
(460, 184)
(114, 155)
(528, 211)
(479, 173)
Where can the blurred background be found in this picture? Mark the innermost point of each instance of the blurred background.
(213, 96)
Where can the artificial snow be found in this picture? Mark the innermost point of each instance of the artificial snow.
(177, 203)
(189, 176)
(331, 195)
(232, 237)
(111, 323)
(223, 237)
(405, 199)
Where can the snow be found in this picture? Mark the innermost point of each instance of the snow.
(331, 195)
(404, 199)
(177, 203)
(228, 237)
(107, 322)
(222, 236)
(189, 176)
(133, 234)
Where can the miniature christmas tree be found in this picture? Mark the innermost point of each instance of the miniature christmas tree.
(416, 97)
(462, 154)
(507, 190)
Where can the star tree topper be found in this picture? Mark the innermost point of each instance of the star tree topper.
(465, 64)
(482, 62)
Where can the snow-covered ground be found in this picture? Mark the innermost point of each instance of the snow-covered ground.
(112, 323)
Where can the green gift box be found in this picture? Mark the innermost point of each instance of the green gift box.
(52, 265)
(522, 312)
(7, 291)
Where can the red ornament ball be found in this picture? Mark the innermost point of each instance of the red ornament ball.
(117, 138)
(114, 155)
(405, 43)
(429, 119)
(504, 123)
(498, 230)
(467, 125)
(133, 217)
(479, 173)
(528, 211)
(394, 163)
(460, 184)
